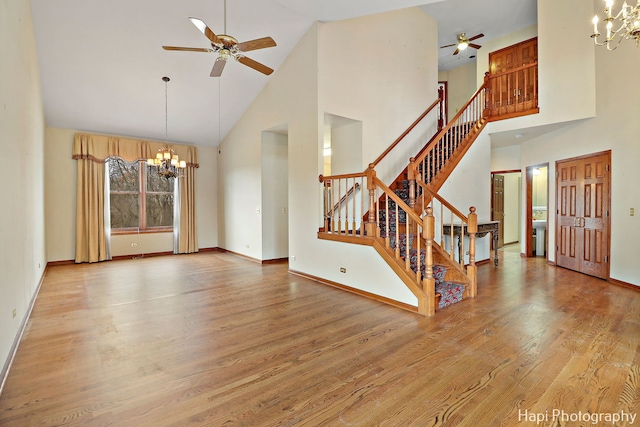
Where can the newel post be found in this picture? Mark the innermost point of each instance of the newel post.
(472, 269)
(428, 281)
(325, 202)
(411, 176)
(371, 226)
(487, 95)
(441, 112)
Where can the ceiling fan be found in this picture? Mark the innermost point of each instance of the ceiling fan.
(463, 42)
(228, 47)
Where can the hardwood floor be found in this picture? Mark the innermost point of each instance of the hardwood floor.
(212, 339)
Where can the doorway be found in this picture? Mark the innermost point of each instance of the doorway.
(582, 216)
(275, 194)
(505, 204)
(537, 190)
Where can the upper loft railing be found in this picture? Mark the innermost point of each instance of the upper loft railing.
(512, 93)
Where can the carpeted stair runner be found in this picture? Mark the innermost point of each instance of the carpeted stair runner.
(450, 292)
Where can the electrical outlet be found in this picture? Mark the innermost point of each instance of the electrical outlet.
(134, 245)
(14, 313)
(343, 270)
(284, 210)
(293, 257)
(632, 211)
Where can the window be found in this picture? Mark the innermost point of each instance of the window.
(140, 199)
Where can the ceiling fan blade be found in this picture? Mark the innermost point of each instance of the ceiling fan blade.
(256, 44)
(476, 37)
(456, 52)
(218, 66)
(448, 45)
(255, 65)
(475, 46)
(200, 25)
(188, 49)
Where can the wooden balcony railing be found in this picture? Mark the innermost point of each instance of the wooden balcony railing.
(512, 93)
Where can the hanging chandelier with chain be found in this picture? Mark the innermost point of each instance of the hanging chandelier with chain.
(627, 21)
(168, 164)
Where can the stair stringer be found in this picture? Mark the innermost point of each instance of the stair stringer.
(454, 272)
(443, 174)
(407, 277)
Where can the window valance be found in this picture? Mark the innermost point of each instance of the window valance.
(99, 147)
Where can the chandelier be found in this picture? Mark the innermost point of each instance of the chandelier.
(627, 20)
(167, 164)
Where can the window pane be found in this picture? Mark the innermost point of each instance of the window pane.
(157, 183)
(124, 210)
(159, 210)
(123, 176)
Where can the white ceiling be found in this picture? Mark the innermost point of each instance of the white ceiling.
(101, 63)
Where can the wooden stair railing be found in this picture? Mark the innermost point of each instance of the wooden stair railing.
(353, 215)
(446, 219)
(393, 228)
(436, 161)
(438, 102)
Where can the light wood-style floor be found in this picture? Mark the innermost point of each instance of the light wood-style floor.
(213, 339)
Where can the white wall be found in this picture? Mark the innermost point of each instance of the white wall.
(336, 68)
(566, 64)
(462, 84)
(506, 158)
(289, 97)
(60, 204)
(275, 196)
(346, 148)
(615, 128)
(22, 252)
(385, 79)
(569, 67)
(470, 185)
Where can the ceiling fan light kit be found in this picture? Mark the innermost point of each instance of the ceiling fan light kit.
(227, 47)
(464, 42)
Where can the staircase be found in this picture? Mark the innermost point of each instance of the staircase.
(448, 290)
(402, 221)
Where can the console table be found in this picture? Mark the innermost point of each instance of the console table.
(483, 228)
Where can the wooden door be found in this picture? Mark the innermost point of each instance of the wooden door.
(582, 216)
(497, 206)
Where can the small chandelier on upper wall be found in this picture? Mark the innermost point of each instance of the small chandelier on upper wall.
(167, 163)
(627, 21)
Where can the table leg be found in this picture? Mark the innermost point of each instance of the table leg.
(495, 247)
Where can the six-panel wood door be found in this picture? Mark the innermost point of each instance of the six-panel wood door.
(582, 215)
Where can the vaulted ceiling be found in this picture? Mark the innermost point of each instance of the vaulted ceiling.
(101, 63)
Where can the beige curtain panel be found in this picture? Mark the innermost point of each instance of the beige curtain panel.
(92, 151)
